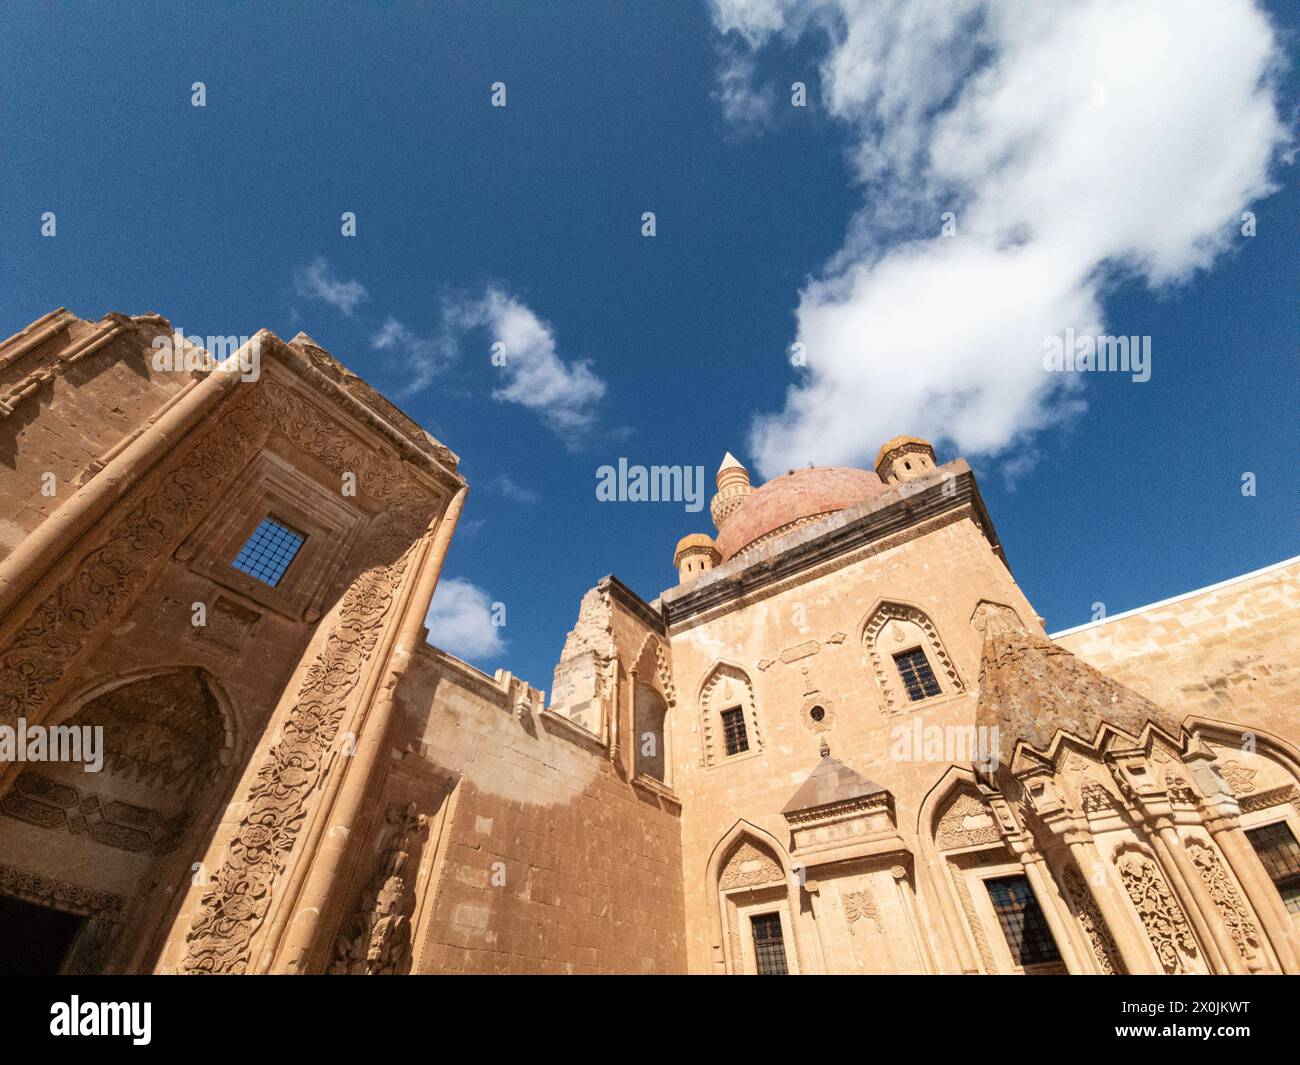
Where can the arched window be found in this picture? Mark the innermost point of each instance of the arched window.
(728, 716)
(650, 712)
(907, 657)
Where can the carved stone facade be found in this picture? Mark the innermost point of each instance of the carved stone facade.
(294, 781)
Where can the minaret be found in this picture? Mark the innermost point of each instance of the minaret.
(733, 487)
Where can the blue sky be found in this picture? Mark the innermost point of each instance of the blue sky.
(774, 224)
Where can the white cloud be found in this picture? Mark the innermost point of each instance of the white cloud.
(749, 108)
(1074, 143)
(317, 282)
(424, 357)
(565, 395)
(508, 487)
(460, 620)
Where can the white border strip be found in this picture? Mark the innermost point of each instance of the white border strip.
(1177, 598)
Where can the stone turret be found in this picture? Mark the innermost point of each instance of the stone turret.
(904, 458)
(696, 553)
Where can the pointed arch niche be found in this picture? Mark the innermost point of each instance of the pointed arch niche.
(727, 687)
(753, 881)
(895, 628)
(130, 830)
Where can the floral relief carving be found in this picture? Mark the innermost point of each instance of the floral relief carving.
(1232, 910)
(749, 865)
(1094, 925)
(967, 822)
(239, 896)
(860, 904)
(378, 940)
(1165, 925)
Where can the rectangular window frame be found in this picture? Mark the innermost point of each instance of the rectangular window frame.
(919, 684)
(740, 733)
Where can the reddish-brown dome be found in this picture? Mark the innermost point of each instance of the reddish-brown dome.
(793, 499)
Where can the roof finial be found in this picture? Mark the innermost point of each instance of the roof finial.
(825, 748)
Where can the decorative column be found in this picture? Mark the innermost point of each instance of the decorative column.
(1221, 815)
(1073, 830)
(318, 880)
(1154, 812)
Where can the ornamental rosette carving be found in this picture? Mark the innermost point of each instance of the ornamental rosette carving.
(1165, 925)
(1232, 911)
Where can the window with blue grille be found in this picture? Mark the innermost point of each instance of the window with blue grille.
(269, 551)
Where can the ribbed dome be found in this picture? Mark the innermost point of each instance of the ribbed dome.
(792, 499)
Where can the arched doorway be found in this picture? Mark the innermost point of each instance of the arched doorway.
(98, 828)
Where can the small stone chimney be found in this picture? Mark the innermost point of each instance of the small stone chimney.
(904, 458)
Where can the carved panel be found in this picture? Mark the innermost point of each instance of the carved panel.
(973, 920)
(1232, 911)
(967, 822)
(1275, 797)
(38, 800)
(748, 865)
(377, 941)
(1161, 916)
(860, 904)
(1094, 925)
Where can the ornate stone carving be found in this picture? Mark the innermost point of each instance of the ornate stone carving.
(749, 865)
(1094, 925)
(1239, 778)
(71, 898)
(860, 904)
(378, 940)
(1164, 922)
(1232, 910)
(1289, 793)
(967, 822)
(109, 574)
(1096, 799)
(973, 920)
(239, 896)
(39, 800)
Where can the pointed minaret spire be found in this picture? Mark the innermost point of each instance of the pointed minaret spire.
(733, 487)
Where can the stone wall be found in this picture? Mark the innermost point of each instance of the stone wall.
(71, 390)
(548, 860)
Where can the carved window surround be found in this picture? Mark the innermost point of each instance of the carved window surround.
(272, 487)
(727, 686)
(893, 627)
